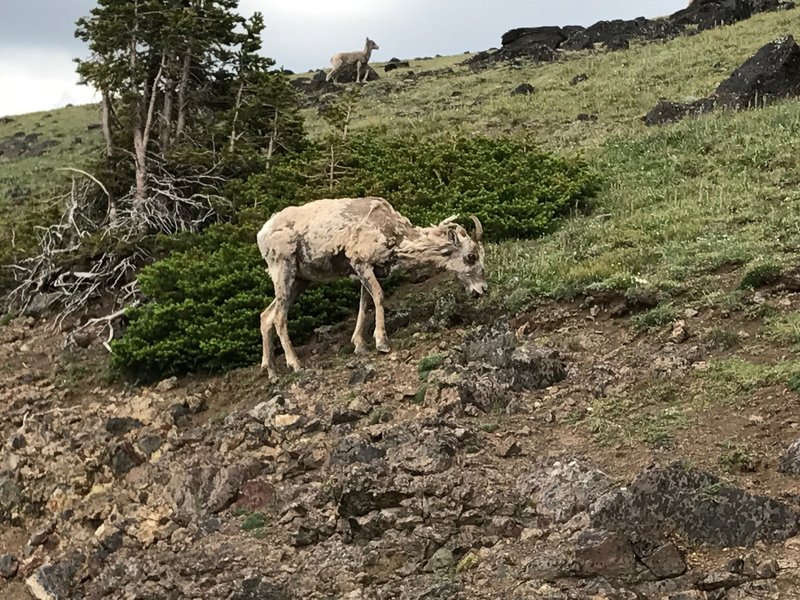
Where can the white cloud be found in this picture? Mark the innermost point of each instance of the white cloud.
(33, 80)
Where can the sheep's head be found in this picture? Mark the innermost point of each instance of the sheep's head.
(372, 45)
(464, 254)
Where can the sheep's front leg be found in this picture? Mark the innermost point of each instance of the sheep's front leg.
(358, 334)
(369, 280)
(358, 72)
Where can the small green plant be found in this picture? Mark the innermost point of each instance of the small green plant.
(254, 521)
(469, 561)
(6, 319)
(490, 426)
(737, 458)
(793, 382)
(785, 328)
(761, 275)
(660, 316)
(430, 363)
(419, 396)
(719, 338)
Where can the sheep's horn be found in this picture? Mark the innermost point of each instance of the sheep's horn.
(478, 228)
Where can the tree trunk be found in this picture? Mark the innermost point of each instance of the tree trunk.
(184, 84)
(273, 140)
(106, 116)
(236, 115)
(165, 138)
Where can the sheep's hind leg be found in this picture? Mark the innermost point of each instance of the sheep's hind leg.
(358, 334)
(268, 352)
(287, 289)
(368, 279)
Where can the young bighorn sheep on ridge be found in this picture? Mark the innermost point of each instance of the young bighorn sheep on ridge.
(342, 59)
(361, 238)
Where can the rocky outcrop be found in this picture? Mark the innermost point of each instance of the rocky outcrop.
(773, 73)
(542, 44)
(22, 145)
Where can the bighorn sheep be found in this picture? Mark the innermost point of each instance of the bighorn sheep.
(342, 59)
(363, 238)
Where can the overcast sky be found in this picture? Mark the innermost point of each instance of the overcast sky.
(37, 42)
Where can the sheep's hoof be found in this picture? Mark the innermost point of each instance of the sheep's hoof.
(295, 366)
(271, 374)
(362, 349)
(383, 347)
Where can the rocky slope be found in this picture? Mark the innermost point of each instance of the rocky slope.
(460, 466)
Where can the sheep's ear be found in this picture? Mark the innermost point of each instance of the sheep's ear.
(452, 237)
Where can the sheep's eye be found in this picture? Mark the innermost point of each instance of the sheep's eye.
(471, 259)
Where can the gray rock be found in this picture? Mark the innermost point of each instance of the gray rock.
(549, 564)
(441, 559)
(122, 457)
(149, 444)
(167, 385)
(362, 374)
(666, 561)
(524, 89)
(790, 460)
(695, 504)
(536, 368)
(122, 425)
(54, 581)
(606, 553)
(564, 489)
(9, 565)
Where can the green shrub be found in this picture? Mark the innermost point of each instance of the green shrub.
(203, 309)
(661, 315)
(515, 189)
(761, 275)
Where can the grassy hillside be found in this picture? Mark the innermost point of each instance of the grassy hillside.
(76, 144)
(679, 204)
(621, 88)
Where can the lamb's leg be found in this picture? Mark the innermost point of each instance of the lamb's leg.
(358, 71)
(268, 353)
(368, 279)
(358, 334)
(335, 66)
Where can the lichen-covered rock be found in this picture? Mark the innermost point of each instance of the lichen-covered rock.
(790, 460)
(695, 504)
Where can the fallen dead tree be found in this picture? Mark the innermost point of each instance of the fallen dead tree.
(95, 249)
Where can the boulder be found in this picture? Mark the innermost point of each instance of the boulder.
(524, 89)
(561, 491)
(666, 561)
(617, 34)
(707, 14)
(772, 73)
(8, 566)
(790, 460)
(671, 112)
(604, 553)
(525, 36)
(395, 64)
(694, 504)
